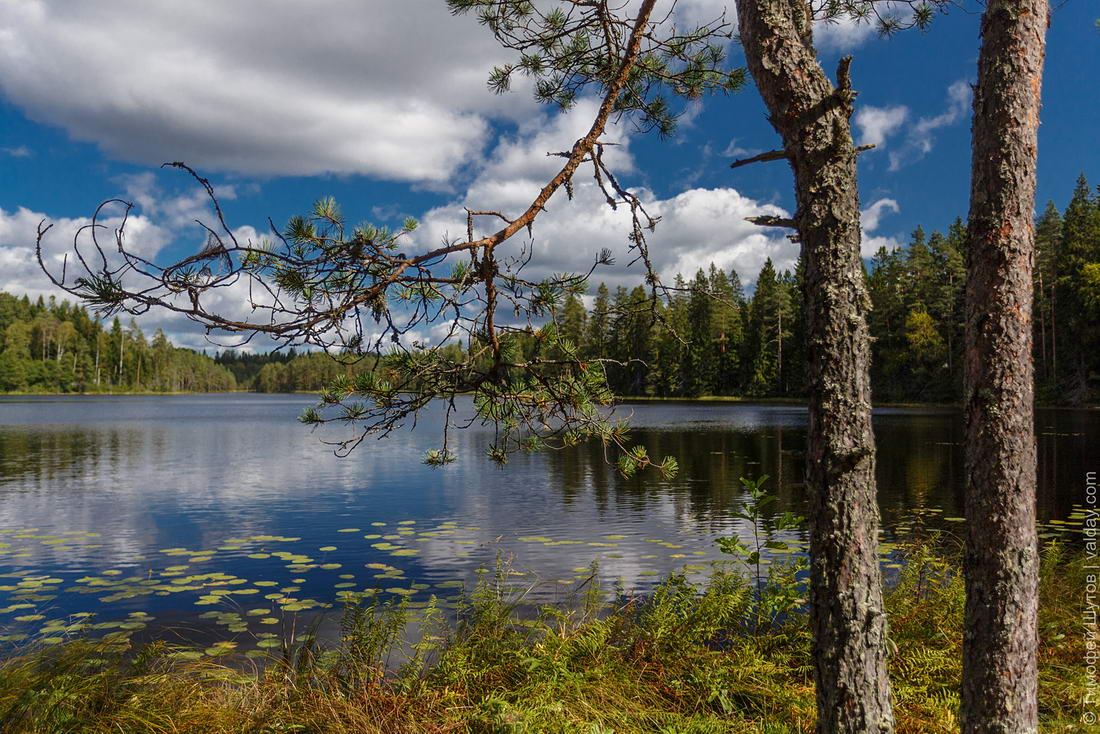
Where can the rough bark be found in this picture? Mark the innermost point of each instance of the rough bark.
(846, 608)
(999, 687)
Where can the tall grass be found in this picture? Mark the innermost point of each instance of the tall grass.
(682, 659)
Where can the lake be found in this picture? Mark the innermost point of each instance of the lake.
(200, 510)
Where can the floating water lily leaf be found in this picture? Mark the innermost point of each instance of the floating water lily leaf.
(269, 643)
(348, 530)
(13, 607)
(405, 552)
(327, 548)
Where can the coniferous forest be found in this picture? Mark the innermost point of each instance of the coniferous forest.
(58, 347)
(753, 345)
(710, 339)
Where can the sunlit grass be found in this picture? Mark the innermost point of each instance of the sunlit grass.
(678, 659)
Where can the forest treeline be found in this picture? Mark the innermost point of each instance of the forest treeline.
(46, 346)
(711, 338)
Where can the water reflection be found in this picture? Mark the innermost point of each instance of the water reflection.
(213, 478)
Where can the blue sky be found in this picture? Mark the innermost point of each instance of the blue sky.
(383, 105)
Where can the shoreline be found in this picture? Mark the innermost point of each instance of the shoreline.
(621, 399)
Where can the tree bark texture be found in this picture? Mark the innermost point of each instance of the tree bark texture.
(999, 687)
(846, 608)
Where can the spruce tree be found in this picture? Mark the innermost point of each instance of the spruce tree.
(599, 321)
(1048, 241)
(1076, 332)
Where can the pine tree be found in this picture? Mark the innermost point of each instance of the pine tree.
(599, 322)
(571, 324)
(769, 324)
(947, 305)
(1048, 241)
(726, 332)
(920, 272)
(999, 691)
(700, 364)
(1076, 333)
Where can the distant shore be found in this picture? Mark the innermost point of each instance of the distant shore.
(620, 399)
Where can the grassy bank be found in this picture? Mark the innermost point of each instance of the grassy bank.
(682, 660)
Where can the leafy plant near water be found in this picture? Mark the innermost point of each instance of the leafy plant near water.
(780, 591)
(670, 661)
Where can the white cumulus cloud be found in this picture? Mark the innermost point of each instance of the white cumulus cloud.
(921, 136)
(698, 226)
(870, 219)
(876, 124)
(395, 90)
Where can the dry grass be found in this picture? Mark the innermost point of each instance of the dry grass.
(678, 661)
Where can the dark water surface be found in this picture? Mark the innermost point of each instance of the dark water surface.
(184, 508)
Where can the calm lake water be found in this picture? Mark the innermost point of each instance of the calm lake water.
(222, 509)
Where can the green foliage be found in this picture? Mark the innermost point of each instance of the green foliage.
(781, 591)
(58, 347)
(674, 660)
(1074, 366)
(570, 48)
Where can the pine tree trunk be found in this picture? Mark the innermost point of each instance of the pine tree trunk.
(999, 686)
(846, 608)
